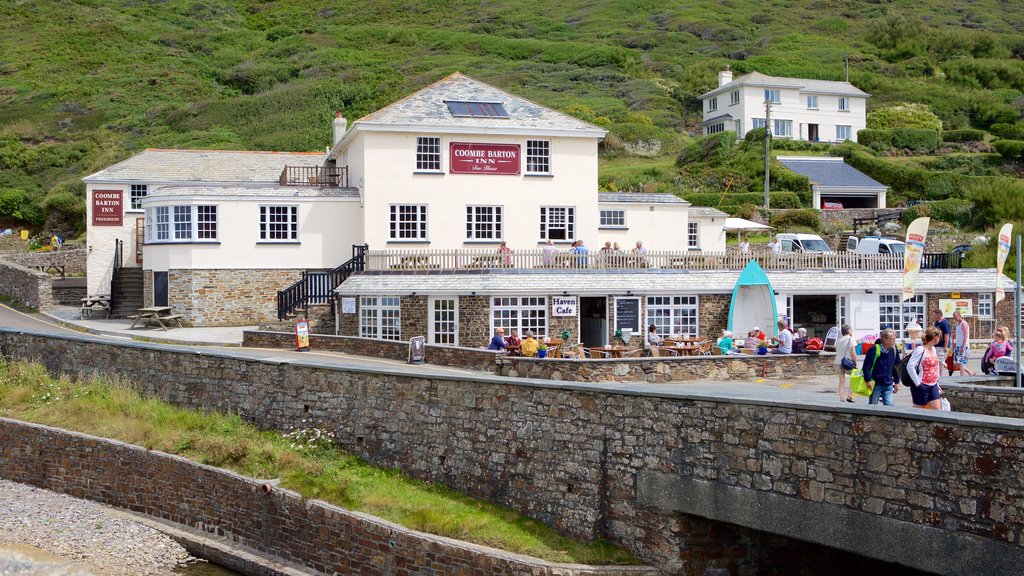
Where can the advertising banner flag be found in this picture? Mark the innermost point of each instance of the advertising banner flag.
(917, 233)
(1001, 253)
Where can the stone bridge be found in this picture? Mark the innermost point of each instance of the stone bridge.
(692, 483)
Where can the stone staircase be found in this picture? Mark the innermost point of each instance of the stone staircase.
(126, 292)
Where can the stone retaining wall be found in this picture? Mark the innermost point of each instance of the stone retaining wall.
(277, 522)
(721, 368)
(234, 297)
(69, 292)
(473, 358)
(655, 471)
(70, 262)
(26, 286)
(989, 400)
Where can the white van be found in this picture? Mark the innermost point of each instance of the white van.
(802, 243)
(875, 245)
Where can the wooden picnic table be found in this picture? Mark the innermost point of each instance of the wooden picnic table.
(98, 303)
(684, 339)
(612, 351)
(156, 314)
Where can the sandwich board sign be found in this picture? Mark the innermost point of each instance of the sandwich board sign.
(302, 335)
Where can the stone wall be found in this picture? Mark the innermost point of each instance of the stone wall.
(653, 471)
(1002, 401)
(68, 292)
(227, 297)
(663, 370)
(67, 262)
(26, 286)
(317, 535)
(414, 317)
(472, 358)
(474, 321)
(713, 314)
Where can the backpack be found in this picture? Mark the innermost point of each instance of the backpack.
(903, 369)
(897, 369)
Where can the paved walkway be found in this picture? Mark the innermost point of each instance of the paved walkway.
(217, 336)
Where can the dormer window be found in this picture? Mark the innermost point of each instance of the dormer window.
(476, 109)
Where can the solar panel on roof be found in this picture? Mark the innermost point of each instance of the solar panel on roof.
(477, 109)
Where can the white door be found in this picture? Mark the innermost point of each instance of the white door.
(443, 319)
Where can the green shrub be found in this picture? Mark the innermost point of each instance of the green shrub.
(990, 197)
(955, 211)
(714, 149)
(987, 74)
(1006, 130)
(875, 139)
(804, 218)
(917, 139)
(965, 135)
(755, 136)
(905, 115)
(1010, 149)
(777, 199)
(12, 202)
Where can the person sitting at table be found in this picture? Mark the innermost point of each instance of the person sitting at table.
(530, 345)
(752, 340)
(725, 343)
(760, 334)
(548, 253)
(800, 342)
(513, 345)
(498, 340)
(652, 336)
(785, 340)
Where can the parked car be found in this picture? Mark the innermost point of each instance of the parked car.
(875, 245)
(830, 205)
(803, 243)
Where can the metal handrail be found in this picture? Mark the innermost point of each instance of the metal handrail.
(317, 287)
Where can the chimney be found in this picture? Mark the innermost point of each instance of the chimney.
(725, 76)
(340, 125)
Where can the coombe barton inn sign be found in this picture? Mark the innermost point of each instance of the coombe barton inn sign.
(469, 158)
(107, 207)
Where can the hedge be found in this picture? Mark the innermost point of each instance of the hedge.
(805, 217)
(965, 135)
(921, 139)
(777, 199)
(955, 211)
(1010, 149)
(1003, 130)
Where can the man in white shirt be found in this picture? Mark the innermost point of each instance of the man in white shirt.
(962, 344)
(776, 246)
(744, 246)
(785, 340)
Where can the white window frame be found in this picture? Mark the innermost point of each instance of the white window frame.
(844, 104)
(812, 102)
(135, 195)
(693, 235)
(380, 317)
(734, 97)
(712, 103)
(444, 330)
(538, 157)
(520, 313)
(889, 312)
(715, 128)
(839, 134)
(428, 154)
(182, 224)
(396, 223)
(674, 315)
(612, 218)
(269, 225)
(758, 123)
(479, 229)
(567, 219)
(986, 302)
(773, 95)
(786, 124)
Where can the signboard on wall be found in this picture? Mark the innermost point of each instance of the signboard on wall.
(348, 305)
(964, 305)
(301, 335)
(107, 207)
(472, 158)
(627, 315)
(563, 305)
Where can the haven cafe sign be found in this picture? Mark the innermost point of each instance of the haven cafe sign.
(470, 158)
(107, 207)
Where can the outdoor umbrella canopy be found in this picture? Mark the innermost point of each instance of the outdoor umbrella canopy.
(741, 225)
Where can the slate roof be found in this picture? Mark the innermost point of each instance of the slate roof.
(158, 165)
(830, 172)
(253, 191)
(605, 282)
(630, 197)
(805, 84)
(710, 121)
(707, 212)
(427, 108)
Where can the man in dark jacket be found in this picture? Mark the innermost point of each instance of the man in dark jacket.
(880, 368)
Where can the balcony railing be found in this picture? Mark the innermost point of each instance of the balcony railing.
(322, 176)
(423, 260)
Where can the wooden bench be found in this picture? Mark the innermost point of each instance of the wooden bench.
(92, 304)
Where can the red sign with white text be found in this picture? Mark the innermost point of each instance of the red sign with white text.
(107, 207)
(469, 158)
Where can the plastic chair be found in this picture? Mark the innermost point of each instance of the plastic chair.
(831, 337)
(705, 348)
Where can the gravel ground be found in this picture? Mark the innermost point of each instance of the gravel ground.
(82, 533)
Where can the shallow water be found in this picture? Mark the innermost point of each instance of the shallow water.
(204, 568)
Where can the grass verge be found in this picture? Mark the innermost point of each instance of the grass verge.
(304, 459)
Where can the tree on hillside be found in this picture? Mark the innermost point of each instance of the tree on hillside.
(904, 115)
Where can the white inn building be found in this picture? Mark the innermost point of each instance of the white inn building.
(801, 109)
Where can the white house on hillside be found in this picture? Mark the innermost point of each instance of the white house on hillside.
(802, 109)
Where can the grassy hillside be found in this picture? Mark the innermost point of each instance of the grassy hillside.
(85, 83)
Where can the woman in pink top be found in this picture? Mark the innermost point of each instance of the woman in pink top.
(923, 367)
